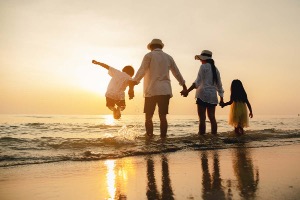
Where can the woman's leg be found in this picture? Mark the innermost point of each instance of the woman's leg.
(202, 118)
(212, 118)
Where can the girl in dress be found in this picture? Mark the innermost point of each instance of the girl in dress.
(238, 116)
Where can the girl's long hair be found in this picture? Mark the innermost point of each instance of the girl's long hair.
(214, 70)
(238, 92)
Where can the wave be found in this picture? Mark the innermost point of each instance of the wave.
(22, 151)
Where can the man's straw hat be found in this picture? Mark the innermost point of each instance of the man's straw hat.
(155, 41)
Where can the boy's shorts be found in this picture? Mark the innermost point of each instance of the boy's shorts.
(162, 102)
(112, 102)
(204, 104)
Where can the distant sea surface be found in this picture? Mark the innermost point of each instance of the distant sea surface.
(34, 139)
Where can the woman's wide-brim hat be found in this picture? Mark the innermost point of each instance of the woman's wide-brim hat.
(205, 55)
(155, 41)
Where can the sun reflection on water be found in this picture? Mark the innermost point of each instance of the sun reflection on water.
(109, 120)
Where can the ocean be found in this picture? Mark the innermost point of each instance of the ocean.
(35, 139)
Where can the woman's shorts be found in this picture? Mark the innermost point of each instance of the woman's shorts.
(162, 101)
(112, 102)
(204, 104)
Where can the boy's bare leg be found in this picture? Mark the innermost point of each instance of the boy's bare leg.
(112, 108)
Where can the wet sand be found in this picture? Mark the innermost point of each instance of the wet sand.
(240, 173)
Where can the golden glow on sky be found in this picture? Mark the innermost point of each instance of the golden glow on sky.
(47, 48)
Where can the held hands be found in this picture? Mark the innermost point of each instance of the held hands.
(222, 104)
(131, 93)
(184, 93)
(131, 89)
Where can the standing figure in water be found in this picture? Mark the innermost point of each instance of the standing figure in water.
(238, 115)
(155, 69)
(207, 84)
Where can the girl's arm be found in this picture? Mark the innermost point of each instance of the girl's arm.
(101, 64)
(226, 104)
(250, 108)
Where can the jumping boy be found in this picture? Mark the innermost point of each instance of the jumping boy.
(115, 94)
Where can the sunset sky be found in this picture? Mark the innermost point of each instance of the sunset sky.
(47, 48)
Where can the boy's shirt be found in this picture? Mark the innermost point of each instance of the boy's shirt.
(117, 85)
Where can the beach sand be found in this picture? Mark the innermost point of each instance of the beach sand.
(239, 173)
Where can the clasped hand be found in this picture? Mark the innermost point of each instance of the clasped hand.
(184, 93)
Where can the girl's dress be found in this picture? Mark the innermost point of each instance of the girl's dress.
(238, 115)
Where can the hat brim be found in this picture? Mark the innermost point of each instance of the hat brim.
(161, 44)
(201, 57)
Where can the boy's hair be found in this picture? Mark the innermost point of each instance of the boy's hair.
(128, 70)
(238, 92)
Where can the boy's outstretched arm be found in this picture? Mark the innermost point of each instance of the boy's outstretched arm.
(101, 64)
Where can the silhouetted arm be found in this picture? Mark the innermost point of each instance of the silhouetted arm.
(225, 104)
(131, 85)
(101, 64)
(250, 108)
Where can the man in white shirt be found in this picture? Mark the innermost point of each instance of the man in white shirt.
(155, 69)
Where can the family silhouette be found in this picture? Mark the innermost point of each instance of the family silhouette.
(155, 69)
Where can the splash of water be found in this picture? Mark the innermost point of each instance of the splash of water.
(127, 133)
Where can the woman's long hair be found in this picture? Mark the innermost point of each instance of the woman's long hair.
(238, 92)
(214, 70)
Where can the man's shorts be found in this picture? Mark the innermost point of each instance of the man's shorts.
(204, 104)
(112, 102)
(162, 101)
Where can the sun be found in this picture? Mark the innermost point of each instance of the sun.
(93, 80)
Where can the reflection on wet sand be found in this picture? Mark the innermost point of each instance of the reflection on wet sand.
(116, 179)
(211, 185)
(242, 184)
(152, 192)
(247, 176)
(246, 181)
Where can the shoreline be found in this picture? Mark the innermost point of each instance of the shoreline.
(251, 173)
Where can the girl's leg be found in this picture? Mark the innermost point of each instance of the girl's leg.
(241, 130)
(236, 130)
(211, 116)
(202, 118)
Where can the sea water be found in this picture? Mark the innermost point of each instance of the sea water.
(34, 139)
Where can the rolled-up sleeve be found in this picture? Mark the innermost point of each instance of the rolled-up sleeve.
(176, 73)
(143, 68)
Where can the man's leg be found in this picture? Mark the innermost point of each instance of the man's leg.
(211, 116)
(149, 124)
(202, 118)
(163, 109)
(163, 125)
